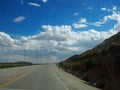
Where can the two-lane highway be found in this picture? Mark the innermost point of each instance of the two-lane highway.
(39, 78)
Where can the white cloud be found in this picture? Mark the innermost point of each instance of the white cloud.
(117, 27)
(53, 33)
(34, 4)
(98, 23)
(82, 23)
(76, 14)
(19, 19)
(79, 25)
(103, 9)
(83, 20)
(114, 16)
(55, 41)
(114, 8)
(108, 9)
(90, 9)
(6, 40)
(44, 1)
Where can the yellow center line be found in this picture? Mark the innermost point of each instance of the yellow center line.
(14, 78)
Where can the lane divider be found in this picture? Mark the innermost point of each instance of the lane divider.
(14, 78)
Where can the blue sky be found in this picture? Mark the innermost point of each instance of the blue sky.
(64, 26)
(53, 12)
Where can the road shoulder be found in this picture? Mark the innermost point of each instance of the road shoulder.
(71, 82)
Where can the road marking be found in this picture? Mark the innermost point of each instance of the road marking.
(3, 83)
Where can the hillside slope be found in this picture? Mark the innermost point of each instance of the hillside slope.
(100, 66)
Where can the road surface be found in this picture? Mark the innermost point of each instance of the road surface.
(40, 77)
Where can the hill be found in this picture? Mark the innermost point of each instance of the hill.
(14, 64)
(23, 63)
(100, 66)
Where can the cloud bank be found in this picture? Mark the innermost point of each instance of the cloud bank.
(57, 41)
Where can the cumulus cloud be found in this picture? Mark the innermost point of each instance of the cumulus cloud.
(34, 4)
(19, 19)
(82, 23)
(71, 41)
(44, 1)
(114, 16)
(57, 41)
(57, 33)
(63, 38)
(6, 40)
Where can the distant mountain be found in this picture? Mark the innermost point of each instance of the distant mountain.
(14, 64)
(23, 62)
(100, 66)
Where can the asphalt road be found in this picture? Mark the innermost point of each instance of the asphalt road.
(34, 78)
(40, 77)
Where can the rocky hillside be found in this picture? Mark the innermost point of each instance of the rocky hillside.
(100, 66)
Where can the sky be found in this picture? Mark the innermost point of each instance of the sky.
(54, 29)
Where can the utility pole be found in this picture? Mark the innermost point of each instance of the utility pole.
(24, 55)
